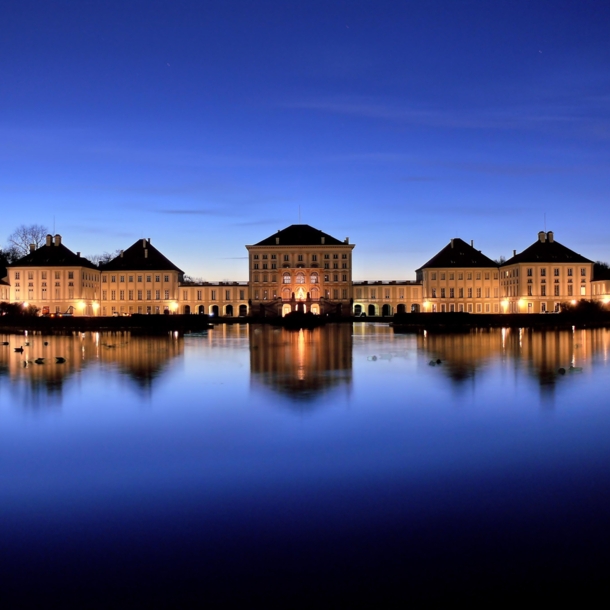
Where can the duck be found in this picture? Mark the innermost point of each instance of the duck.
(575, 369)
(39, 361)
(5, 343)
(59, 359)
(27, 343)
(19, 350)
(46, 343)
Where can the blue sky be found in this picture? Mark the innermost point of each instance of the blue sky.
(209, 125)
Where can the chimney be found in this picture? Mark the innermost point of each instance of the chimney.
(472, 243)
(347, 240)
(49, 240)
(452, 242)
(550, 237)
(277, 241)
(149, 240)
(541, 236)
(58, 240)
(514, 253)
(121, 254)
(145, 252)
(323, 241)
(78, 254)
(32, 247)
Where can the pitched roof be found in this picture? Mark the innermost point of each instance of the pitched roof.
(300, 235)
(457, 253)
(141, 256)
(53, 254)
(547, 251)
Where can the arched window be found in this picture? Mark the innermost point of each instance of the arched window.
(315, 294)
(286, 278)
(286, 294)
(314, 278)
(300, 278)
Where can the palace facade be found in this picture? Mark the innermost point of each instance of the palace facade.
(301, 268)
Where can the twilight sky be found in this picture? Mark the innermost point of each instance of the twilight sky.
(210, 125)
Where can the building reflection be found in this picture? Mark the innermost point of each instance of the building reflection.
(545, 355)
(39, 373)
(303, 364)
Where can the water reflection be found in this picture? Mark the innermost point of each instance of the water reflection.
(545, 355)
(40, 372)
(301, 364)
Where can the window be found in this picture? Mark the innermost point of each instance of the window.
(335, 278)
(442, 293)
(543, 272)
(335, 265)
(273, 265)
(556, 287)
(256, 265)
(17, 275)
(374, 293)
(264, 265)
(256, 257)
(104, 295)
(139, 278)
(487, 275)
(478, 275)
(470, 293)
(487, 292)
(286, 278)
(286, 257)
(442, 276)
(273, 257)
(326, 265)
(131, 278)
(451, 293)
(131, 295)
(570, 272)
(478, 293)
(314, 278)
(451, 276)
(166, 293)
(157, 278)
(44, 275)
(335, 256)
(122, 279)
(112, 278)
(327, 256)
(300, 258)
(469, 276)
(243, 292)
(543, 290)
(121, 295)
(149, 278)
(583, 271)
(113, 295)
(344, 278)
(166, 278)
(139, 295)
(264, 257)
(433, 276)
(148, 295)
(461, 293)
(556, 272)
(326, 278)
(479, 308)
(213, 295)
(227, 295)
(460, 276)
(583, 290)
(57, 275)
(434, 293)
(314, 257)
(570, 290)
(199, 295)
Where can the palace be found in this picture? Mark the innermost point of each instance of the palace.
(301, 268)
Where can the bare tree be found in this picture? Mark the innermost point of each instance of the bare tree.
(102, 259)
(20, 239)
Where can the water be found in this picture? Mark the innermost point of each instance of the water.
(260, 465)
